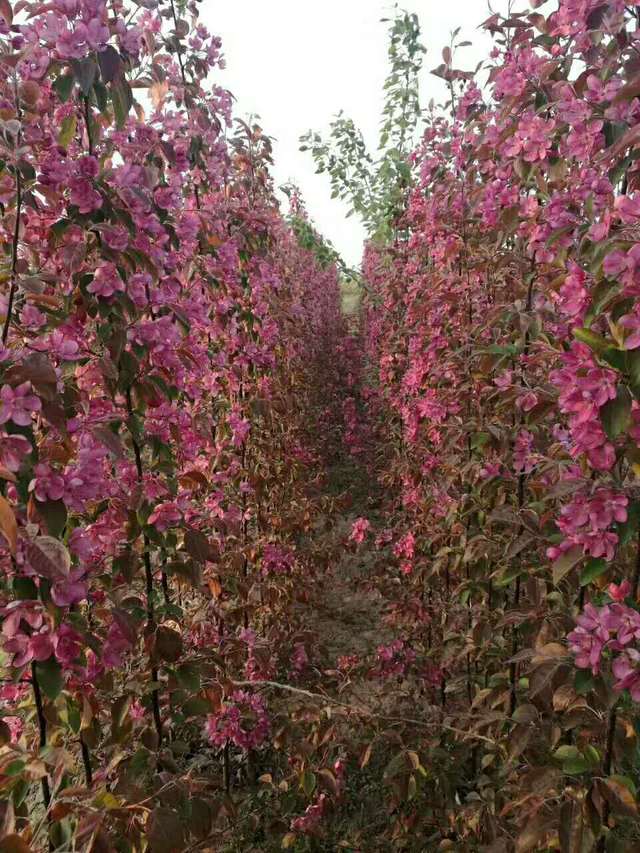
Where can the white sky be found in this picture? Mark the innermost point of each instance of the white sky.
(296, 64)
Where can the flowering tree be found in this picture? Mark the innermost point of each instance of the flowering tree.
(501, 330)
(159, 317)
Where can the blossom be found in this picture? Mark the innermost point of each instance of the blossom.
(18, 404)
(165, 515)
(240, 428)
(277, 560)
(84, 195)
(631, 322)
(359, 530)
(243, 721)
(619, 592)
(47, 484)
(586, 522)
(309, 822)
(106, 281)
(394, 659)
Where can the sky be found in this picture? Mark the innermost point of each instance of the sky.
(296, 64)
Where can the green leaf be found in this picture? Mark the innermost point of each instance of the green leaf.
(616, 414)
(49, 675)
(196, 707)
(616, 358)
(85, 71)
(25, 589)
(596, 342)
(633, 366)
(566, 753)
(308, 782)
(67, 130)
(188, 676)
(628, 530)
(122, 100)
(565, 563)
(575, 766)
(584, 682)
(102, 96)
(594, 568)
(63, 86)
(479, 439)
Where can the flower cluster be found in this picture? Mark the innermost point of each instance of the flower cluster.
(243, 721)
(159, 313)
(613, 632)
(393, 659)
(359, 530)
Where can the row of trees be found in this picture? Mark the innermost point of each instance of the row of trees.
(501, 322)
(167, 392)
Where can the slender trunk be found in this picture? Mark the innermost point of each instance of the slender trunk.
(42, 729)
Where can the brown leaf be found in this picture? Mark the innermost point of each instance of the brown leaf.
(168, 644)
(48, 557)
(531, 837)
(110, 440)
(159, 92)
(165, 831)
(365, 757)
(8, 525)
(563, 565)
(619, 796)
(519, 740)
(37, 369)
(629, 91)
(330, 780)
(197, 545)
(193, 480)
(5, 474)
(215, 587)
(14, 844)
(6, 11)
(563, 697)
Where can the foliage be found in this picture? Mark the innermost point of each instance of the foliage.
(163, 374)
(185, 416)
(375, 185)
(503, 395)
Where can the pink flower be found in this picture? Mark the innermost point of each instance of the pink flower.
(524, 457)
(359, 530)
(394, 659)
(299, 658)
(72, 590)
(527, 401)
(68, 645)
(84, 195)
(18, 404)
(47, 483)
(277, 560)
(628, 208)
(627, 673)
(309, 822)
(631, 322)
(573, 298)
(106, 281)
(405, 547)
(586, 520)
(165, 515)
(116, 237)
(240, 428)
(619, 593)
(243, 721)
